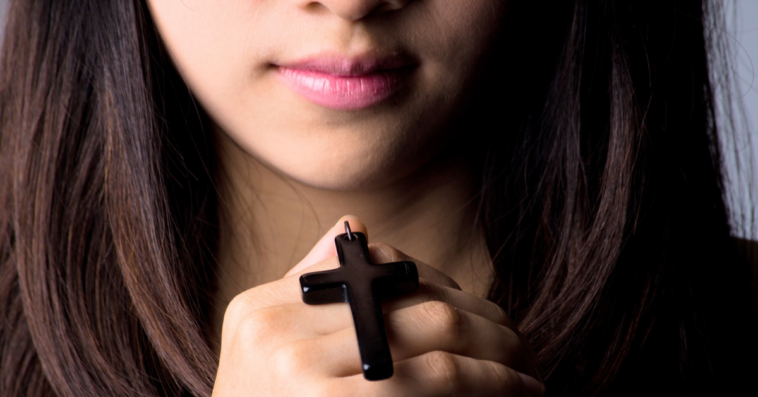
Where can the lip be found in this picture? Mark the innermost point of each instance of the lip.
(342, 83)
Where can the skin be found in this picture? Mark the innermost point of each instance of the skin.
(292, 168)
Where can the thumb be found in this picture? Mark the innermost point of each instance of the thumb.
(325, 247)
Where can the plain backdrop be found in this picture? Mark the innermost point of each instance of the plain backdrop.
(742, 152)
(741, 149)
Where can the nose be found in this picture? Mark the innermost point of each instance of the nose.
(354, 10)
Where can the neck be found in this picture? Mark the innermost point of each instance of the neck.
(269, 222)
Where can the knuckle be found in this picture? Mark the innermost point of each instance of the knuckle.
(258, 326)
(245, 303)
(237, 308)
(446, 318)
(291, 359)
(443, 368)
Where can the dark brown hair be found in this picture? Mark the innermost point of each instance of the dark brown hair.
(602, 198)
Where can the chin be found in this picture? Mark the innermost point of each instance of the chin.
(353, 162)
(343, 179)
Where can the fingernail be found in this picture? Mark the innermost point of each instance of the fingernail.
(532, 385)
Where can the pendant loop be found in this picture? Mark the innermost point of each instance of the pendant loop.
(348, 231)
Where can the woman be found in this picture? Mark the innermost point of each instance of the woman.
(167, 164)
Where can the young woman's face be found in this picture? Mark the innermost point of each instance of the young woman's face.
(337, 94)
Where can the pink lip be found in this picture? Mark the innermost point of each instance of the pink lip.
(347, 84)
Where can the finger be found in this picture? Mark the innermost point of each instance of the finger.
(325, 247)
(383, 253)
(421, 329)
(438, 374)
(431, 291)
(435, 325)
(331, 318)
(287, 290)
(305, 321)
(321, 257)
(279, 292)
(270, 295)
(462, 300)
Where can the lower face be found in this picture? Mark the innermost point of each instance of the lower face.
(335, 94)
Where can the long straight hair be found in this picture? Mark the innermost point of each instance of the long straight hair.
(602, 200)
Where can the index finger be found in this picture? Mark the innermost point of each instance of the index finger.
(287, 290)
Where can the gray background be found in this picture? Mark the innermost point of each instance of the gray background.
(742, 152)
(742, 33)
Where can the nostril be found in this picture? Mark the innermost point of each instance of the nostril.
(384, 7)
(387, 6)
(315, 7)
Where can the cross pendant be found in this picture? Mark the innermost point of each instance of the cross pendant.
(363, 285)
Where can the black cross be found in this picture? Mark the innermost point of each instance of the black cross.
(362, 284)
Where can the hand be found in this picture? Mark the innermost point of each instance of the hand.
(444, 342)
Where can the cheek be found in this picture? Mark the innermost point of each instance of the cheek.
(456, 36)
(204, 39)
